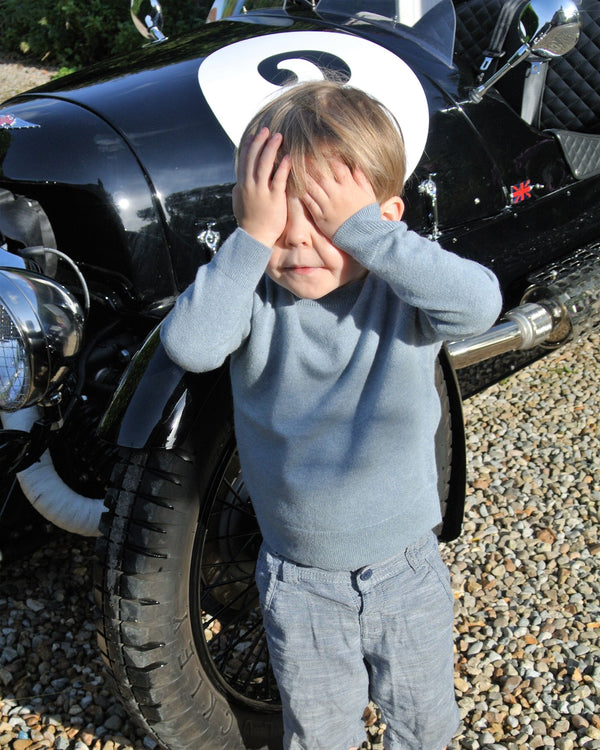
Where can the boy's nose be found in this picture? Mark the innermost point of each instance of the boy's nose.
(298, 226)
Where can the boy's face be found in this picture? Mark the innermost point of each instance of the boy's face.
(305, 261)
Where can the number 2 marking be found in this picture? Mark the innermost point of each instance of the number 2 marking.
(239, 79)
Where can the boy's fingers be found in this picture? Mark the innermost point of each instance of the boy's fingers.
(255, 149)
(314, 188)
(266, 159)
(340, 170)
(362, 180)
(313, 208)
(309, 201)
(280, 178)
(242, 159)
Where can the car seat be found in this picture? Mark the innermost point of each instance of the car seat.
(571, 93)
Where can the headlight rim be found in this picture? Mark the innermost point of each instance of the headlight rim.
(49, 321)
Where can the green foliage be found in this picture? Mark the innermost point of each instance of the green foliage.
(74, 33)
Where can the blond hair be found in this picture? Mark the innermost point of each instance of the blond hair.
(321, 120)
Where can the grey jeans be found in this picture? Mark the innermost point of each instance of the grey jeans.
(338, 639)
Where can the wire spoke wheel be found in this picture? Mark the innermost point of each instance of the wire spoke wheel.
(224, 597)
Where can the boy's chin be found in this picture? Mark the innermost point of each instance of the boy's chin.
(317, 293)
(314, 286)
(307, 290)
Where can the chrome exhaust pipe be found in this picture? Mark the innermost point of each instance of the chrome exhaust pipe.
(561, 300)
(524, 327)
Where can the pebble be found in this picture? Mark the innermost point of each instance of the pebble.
(57, 697)
(525, 571)
(525, 574)
(16, 77)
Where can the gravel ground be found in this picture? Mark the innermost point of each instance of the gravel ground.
(15, 77)
(526, 570)
(524, 573)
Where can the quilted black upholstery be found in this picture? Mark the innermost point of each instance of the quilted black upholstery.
(582, 152)
(572, 93)
(475, 22)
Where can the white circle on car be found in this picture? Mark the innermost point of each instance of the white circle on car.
(239, 79)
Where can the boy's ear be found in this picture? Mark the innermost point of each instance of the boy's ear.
(392, 208)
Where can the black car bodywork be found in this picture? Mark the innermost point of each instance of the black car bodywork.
(125, 169)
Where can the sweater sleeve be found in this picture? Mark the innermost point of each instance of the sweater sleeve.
(456, 297)
(212, 317)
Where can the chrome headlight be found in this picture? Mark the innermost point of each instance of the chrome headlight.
(41, 329)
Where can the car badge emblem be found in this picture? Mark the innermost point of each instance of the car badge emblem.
(210, 238)
(10, 122)
(520, 192)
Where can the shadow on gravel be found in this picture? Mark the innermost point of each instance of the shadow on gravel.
(51, 674)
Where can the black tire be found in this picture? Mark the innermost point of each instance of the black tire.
(179, 625)
(180, 538)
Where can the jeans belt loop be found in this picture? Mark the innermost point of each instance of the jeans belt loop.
(288, 572)
(416, 552)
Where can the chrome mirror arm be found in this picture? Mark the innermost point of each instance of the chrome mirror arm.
(548, 28)
(477, 94)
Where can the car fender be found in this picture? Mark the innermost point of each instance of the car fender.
(452, 479)
(157, 402)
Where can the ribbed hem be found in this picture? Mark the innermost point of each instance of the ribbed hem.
(348, 549)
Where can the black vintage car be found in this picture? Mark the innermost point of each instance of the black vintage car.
(115, 184)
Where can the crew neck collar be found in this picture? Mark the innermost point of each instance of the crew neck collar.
(338, 298)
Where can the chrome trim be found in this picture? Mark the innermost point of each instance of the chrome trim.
(49, 323)
(561, 300)
(548, 28)
(525, 327)
(428, 188)
(147, 17)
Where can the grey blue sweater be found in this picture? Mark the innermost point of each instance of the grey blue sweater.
(334, 399)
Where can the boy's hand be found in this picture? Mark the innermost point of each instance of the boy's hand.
(333, 198)
(259, 196)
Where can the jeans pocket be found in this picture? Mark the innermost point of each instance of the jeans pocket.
(266, 579)
(439, 568)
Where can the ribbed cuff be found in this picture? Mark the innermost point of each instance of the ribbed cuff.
(359, 235)
(243, 259)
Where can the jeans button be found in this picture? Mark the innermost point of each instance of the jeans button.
(366, 574)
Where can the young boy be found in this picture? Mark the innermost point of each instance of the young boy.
(332, 370)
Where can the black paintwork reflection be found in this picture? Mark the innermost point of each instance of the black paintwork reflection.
(93, 191)
(190, 213)
(520, 151)
(154, 104)
(154, 100)
(532, 235)
(468, 183)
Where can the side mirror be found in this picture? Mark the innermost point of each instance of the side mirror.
(548, 28)
(549, 31)
(224, 9)
(148, 19)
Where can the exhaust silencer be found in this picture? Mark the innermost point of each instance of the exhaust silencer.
(561, 300)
